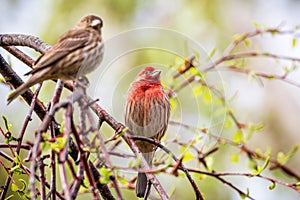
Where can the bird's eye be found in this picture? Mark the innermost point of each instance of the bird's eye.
(147, 72)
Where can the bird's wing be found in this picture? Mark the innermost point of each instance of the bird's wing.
(67, 43)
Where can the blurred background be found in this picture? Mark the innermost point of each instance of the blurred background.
(181, 26)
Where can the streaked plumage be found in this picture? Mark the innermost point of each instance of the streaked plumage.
(76, 53)
(147, 113)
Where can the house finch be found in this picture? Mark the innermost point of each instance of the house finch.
(147, 112)
(76, 53)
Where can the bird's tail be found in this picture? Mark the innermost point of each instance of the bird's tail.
(20, 90)
(141, 183)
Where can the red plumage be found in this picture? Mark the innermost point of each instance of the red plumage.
(147, 113)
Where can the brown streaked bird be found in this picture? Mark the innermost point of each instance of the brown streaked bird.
(147, 113)
(76, 53)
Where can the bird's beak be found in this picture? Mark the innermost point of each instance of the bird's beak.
(156, 74)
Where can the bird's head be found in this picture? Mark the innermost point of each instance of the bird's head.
(90, 21)
(149, 74)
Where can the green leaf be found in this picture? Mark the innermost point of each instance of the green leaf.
(294, 68)
(297, 185)
(258, 151)
(247, 42)
(17, 170)
(283, 158)
(293, 151)
(266, 163)
(253, 128)
(209, 163)
(173, 103)
(252, 76)
(183, 149)
(256, 24)
(256, 127)
(8, 137)
(234, 157)
(230, 63)
(207, 96)
(2, 80)
(187, 156)
(7, 125)
(201, 176)
(59, 144)
(197, 91)
(238, 37)
(9, 197)
(228, 123)
(14, 187)
(62, 126)
(274, 32)
(272, 186)
(294, 42)
(130, 163)
(263, 167)
(105, 175)
(196, 72)
(17, 159)
(238, 136)
(24, 185)
(244, 196)
(123, 180)
(212, 52)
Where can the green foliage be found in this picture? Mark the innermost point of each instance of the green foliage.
(105, 175)
(7, 125)
(123, 132)
(259, 169)
(186, 154)
(252, 129)
(283, 158)
(272, 186)
(204, 92)
(297, 185)
(210, 163)
(9, 197)
(22, 192)
(212, 53)
(123, 180)
(247, 42)
(228, 123)
(294, 42)
(59, 144)
(234, 157)
(253, 76)
(2, 80)
(244, 196)
(239, 37)
(17, 168)
(238, 136)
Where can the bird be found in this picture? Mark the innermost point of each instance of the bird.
(147, 113)
(76, 53)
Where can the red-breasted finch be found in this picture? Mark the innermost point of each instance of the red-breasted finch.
(147, 113)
